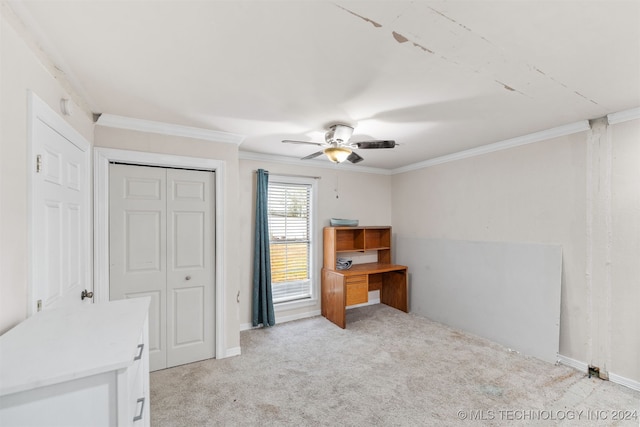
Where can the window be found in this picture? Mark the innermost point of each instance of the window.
(290, 238)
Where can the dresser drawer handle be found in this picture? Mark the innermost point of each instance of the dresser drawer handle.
(139, 356)
(139, 416)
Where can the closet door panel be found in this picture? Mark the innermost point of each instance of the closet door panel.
(137, 246)
(190, 266)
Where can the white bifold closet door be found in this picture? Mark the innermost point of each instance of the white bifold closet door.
(161, 243)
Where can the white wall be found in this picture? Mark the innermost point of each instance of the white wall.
(624, 327)
(362, 196)
(21, 70)
(181, 146)
(544, 192)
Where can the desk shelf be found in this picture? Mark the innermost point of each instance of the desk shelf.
(356, 239)
(341, 288)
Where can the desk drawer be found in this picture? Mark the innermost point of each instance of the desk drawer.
(357, 289)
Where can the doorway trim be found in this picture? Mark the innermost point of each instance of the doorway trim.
(101, 160)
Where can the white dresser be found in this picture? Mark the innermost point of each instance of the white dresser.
(86, 366)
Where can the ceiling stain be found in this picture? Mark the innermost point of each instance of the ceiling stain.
(507, 87)
(564, 86)
(459, 24)
(422, 47)
(372, 22)
(549, 77)
(450, 19)
(397, 36)
(510, 89)
(553, 79)
(588, 99)
(400, 38)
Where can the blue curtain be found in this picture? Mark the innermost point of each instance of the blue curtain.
(262, 298)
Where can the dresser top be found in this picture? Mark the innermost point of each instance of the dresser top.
(64, 344)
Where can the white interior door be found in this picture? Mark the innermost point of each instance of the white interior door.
(161, 245)
(60, 211)
(190, 261)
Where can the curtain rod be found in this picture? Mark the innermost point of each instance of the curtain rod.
(293, 176)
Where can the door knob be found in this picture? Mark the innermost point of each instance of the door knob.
(86, 294)
(188, 278)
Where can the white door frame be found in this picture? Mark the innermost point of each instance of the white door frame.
(40, 111)
(102, 158)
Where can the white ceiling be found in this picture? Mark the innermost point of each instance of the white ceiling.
(437, 76)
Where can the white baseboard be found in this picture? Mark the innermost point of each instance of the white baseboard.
(576, 364)
(233, 351)
(584, 367)
(247, 326)
(374, 298)
(627, 382)
(282, 319)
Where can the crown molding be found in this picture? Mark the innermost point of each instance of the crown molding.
(250, 155)
(556, 132)
(120, 122)
(623, 116)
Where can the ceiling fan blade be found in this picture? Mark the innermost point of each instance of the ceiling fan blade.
(312, 156)
(292, 141)
(354, 157)
(383, 143)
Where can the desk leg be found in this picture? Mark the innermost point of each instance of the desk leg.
(333, 297)
(394, 290)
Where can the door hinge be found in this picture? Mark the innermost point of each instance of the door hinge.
(39, 305)
(38, 163)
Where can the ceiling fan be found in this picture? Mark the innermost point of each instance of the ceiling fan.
(337, 147)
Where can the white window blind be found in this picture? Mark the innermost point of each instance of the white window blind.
(290, 240)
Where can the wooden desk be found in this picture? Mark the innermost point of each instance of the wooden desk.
(342, 288)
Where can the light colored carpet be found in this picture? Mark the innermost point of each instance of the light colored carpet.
(388, 368)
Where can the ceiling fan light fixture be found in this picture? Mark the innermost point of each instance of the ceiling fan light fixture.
(341, 133)
(337, 154)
